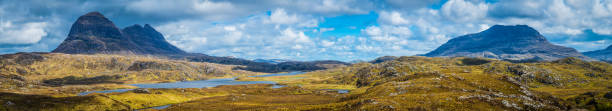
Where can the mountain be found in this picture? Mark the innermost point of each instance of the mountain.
(604, 54)
(149, 40)
(516, 43)
(271, 61)
(93, 33)
(263, 66)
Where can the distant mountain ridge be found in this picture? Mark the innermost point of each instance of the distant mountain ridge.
(604, 54)
(272, 61)
(513, 42)
(93, 33)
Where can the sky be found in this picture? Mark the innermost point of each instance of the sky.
(304, 30)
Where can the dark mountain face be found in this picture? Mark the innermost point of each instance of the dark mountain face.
(93, 33)
(519, 42)
(149, 40)
(604, 54)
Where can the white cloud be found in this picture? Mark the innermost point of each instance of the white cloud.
(326, 43)
(279, 16)
(393, 18)
(326, 29)
(208, 6)
(244, 29)
(460, 11)
(373, 31)
(388, 33)
(290, 36)
(206, 9)
(330, 7)
(27, 33)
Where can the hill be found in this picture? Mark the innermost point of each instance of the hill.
(93, 33)
(423, 83)
(519, 42)
(604, 54)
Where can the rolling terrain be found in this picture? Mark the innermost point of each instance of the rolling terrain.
(501, 68)
(408, 82)
(603, 54)
(513, 42)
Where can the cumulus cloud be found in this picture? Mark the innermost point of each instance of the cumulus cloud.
(279, 16)
(326, 43)
(206, 9)
(290, 36)
(461, 11)
(297, 29)
(27, 33)
(393, 18)
(331, 7)
(410, 4)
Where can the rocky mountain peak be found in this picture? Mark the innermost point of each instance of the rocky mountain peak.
(514, 33)
(94, 13)
(516, 30)
(150, 40)
(94, 33)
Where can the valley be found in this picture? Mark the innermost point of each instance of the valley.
(102, 67)
(408, 82)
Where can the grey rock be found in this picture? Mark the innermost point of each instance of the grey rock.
(9, 103)
(141, 90)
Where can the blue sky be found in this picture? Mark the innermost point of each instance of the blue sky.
(309, 29)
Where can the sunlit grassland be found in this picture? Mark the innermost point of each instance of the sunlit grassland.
(407, 83)
(121, 101)
(463, 84)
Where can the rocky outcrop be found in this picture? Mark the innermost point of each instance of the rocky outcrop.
(518, 42)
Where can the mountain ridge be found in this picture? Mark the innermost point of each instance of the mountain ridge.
(506, 42)
(603, 54)
(93, 33)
